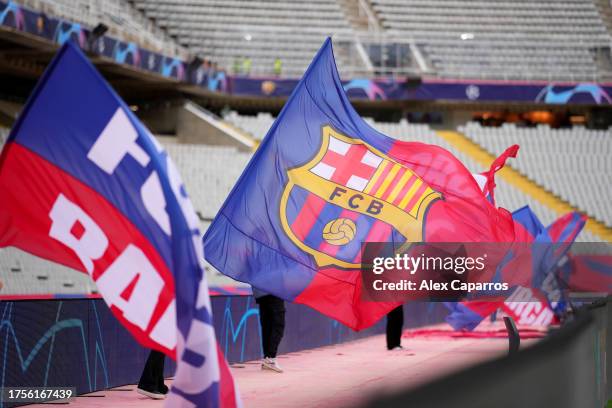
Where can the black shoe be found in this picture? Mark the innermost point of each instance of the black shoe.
(163, 389)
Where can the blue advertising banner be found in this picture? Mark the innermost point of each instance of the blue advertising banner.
(79, 343)
(436, 89)
(58, 30)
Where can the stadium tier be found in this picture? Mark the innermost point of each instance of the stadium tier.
(573, 164)
(549, 40)
(256, 126)
(475, 39)
(121, 18)
(227, 33)
(24, 274)
(209, 173)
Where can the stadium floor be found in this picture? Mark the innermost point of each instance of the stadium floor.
(341, 375)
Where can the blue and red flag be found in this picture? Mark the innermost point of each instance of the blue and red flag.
(83, 183)
(486, 180)
(527, 305)
(321, 183)
(587, 273)
(550, 244)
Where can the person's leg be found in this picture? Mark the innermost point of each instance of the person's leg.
(161, 386)
(395, 324)
(265, 320)
(272, 318)
(277, 329)
(152, 375)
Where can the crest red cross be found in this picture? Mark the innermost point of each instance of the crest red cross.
(349, 164)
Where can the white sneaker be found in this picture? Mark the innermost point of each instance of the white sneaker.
(271, 364)
(397, 348)
(151, 394)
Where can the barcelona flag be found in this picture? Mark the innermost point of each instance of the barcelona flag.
(83, 183)
(322, 183)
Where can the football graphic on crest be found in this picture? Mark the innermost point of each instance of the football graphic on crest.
(340, 231)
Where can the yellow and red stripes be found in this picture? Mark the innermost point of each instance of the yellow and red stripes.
(399, 186)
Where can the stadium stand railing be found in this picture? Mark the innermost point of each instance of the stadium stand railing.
(122, 19)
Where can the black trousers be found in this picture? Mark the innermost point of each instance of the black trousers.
(395, 324)
(152, 378)
(272, 320)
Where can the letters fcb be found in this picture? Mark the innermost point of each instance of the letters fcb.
(358, 193)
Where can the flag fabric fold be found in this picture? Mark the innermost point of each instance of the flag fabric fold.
(528, 305)
(83, 183)
(321, 183)
(497, 165)
(587, 273)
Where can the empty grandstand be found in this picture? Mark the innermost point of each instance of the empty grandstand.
(546, 40)
(121, 18)
(228, 34)
(558, 40)
(475, 39)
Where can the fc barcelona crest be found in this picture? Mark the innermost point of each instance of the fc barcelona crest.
(350, 193)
